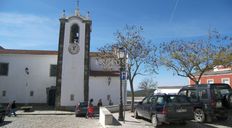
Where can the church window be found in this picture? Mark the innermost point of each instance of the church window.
(74, 34)
(210, 81)
(226, 80)
(4, 93)
(31, 93)
(53, 68)
(72, 97)
(4, 69)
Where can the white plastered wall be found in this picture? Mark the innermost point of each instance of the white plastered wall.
(18, 84)
(73, 67)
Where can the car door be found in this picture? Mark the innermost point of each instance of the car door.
(192, 94)
(140, 108)
(150, 107)
(184, 108)
(147, 107)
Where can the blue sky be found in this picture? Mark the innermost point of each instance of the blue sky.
(34, 24)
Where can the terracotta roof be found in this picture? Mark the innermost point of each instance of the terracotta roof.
(104, 73)
(218, 72)
(33, 52)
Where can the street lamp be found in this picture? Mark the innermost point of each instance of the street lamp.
(121, 56)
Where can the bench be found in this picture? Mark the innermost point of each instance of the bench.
(27, 108)
(106, 117)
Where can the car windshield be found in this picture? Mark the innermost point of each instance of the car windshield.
(222, 90)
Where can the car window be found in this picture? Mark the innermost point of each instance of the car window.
(145, 100)
(160, 100)
(172, 99)
(203, 94)
(220, 91)
(152, 99)
(178, 99)
(192, 94)
(183, 99)
(183, 92)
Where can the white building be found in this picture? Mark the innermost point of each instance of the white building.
(168, 89)
(27, 75)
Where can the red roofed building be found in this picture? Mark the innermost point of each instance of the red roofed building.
(218, 75)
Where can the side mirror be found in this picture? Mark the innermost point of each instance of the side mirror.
(140, 103)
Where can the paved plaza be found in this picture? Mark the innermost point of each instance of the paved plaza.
(60, 119)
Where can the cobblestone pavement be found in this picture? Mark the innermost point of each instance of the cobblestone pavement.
(190, 124)
(70, 121)
(49, 121)
(131, 122)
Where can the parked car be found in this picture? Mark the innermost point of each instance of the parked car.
(161, 108)
(210, 101)
(81, 109)
(2, 113)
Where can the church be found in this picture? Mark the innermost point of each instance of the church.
(64, 77)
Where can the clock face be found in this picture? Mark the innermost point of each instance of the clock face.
(73, 48)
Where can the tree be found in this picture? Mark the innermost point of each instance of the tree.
(224, 52)
(187, 58)
(141, 54)
(147, 85)
(193, 58)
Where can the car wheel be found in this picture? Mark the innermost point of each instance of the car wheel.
(154, 121)
(199, 115)
(136, 116)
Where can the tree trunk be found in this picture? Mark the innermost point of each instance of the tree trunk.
(132, 96)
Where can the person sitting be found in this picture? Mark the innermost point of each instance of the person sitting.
(90, 110)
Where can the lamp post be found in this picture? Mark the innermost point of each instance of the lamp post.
(121, 56)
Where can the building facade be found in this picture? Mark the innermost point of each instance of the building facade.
(27, 76)
(218, 75)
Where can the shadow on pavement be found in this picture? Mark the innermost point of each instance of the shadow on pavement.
(5, 123)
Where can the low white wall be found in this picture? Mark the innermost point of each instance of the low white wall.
(105, 117)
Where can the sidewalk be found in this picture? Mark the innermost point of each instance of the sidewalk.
(44, 112)
(130, 122)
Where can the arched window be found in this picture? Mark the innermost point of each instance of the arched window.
(74, 34)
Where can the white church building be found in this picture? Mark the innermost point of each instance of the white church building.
(31, 76)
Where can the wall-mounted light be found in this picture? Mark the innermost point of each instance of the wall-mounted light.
(27, 70)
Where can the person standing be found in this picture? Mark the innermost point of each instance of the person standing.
(99, 104)
(8, 109)
(13, 108)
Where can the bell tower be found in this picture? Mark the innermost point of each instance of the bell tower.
(72, 82)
